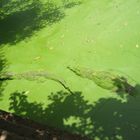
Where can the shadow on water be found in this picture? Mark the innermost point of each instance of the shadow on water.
(2, 68)
(20, 19)
(123, 87)
(107, 119)
(71, 3)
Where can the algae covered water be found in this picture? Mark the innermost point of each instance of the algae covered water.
(102, 35)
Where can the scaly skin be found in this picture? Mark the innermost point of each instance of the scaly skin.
(104, 79)
(33, 75)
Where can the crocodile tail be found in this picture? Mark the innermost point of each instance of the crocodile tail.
(6, 76)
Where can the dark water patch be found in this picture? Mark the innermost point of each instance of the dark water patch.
(3, 65)
(20, 19)
(106, 119)
(71, 3)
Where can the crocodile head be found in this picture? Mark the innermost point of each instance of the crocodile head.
(82, 72)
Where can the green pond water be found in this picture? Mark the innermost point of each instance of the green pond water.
(97, 34)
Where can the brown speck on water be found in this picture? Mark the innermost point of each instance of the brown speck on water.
(87, 40)
(121, 45)
(138, 12)
(51, 48)
(62, 36)
(92, 40)
(26, 92)
(37, 58)
(137, 46)
(125, 23)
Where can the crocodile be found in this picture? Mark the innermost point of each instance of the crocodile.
(105, 79)
(33, 75)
